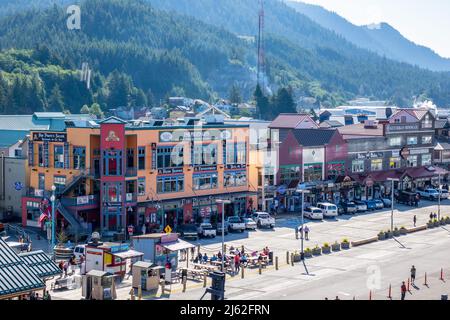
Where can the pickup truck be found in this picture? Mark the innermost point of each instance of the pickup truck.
(189, 231)
(206, 230)
(235, 224)
(263, 219)
(429, 193)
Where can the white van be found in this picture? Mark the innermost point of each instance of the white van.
(79, 251)
(329, 210)
(313, 213)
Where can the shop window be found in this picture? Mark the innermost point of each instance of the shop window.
(112, 192)
(112, 163)
(358, 166)
(205, 181)
(41, 155)
(141, 158)
(395, 141)
(79, 158)
(426, 159)
(395, 163)
(235, 179)
(236, 153)
(427, 140)
(170, 157)
(58, 153)
(130, 158)
(411, 140)
(313, 172)
(376, 165)
(141, 186)
(170, 184)
(60, 183)
(205, 154)
(412, 161)
(289, 173)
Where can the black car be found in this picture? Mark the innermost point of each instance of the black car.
(349, 207)
(189, 231)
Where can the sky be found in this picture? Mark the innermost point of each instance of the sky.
(425, 22)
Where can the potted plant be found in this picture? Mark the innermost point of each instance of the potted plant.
(326, 249)
(403, 231)
(345, 244)
(308, 253)
(388, 234)
(436, 222)
(336, 246)
(430, 224)
(442, 222)
(297, 256)
(381, 235)
(396, 232)
(316, 251)
(447, 220)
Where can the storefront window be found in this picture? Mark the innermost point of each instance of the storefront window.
(79, 158)
(376, 165)
(395, 141)
(58, 156)
(358, 166)
(411, 140)
(427, 140)
(170, 184)
(205, 154)
(141, 158)
(313, 172)
(60, 183)
(289, 173)
(394, 163)
(205, 181)
(112, 162)
(141, 186)
(412, 161)
(170, 157)
(235, 179)
(426, 159)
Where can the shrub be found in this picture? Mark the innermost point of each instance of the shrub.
(326, 245)
(345, 241)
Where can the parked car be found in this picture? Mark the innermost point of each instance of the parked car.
(250, 224)
(78, 251)
(341, 209)
(428, 193)
(349, 207)
(313, 213)
(235, 224)
(406, 197)
(371, 204)
(263, 219)
(329, 210)
(444, 193)
(189, 231)
(206, 230)
(361, 206)
(379, 204)
(219, 227)
(386, 202)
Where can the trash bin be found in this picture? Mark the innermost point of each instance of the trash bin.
(271, 257)
(444, 297)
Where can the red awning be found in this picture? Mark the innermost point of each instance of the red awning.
(425, 172)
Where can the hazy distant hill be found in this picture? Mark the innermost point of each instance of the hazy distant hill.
(381, 38)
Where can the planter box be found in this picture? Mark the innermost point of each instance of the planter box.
(430, 225)
(345, 245)
(297, 258)
(308, 254)
(403, 232)
(442, 222)
(388, 235)
(381, 236)
(336, 247)
(396, 233)
(436, 224)
(316, 251)
(326, 250)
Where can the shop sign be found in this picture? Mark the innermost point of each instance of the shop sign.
(370, 155)
(120, 248)
(169, 237)
(166, 136)
(168, 229)
(82, 200)
(49, 137)
(402, 127)
(404, 152)
(196, 135)
(235, 166)
(170, 171)
(419, 151)
(205, 168)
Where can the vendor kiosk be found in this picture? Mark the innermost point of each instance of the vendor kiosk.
(98, 285)
(147, 275)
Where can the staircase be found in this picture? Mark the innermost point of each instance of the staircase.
(75, 180)
(75, 226)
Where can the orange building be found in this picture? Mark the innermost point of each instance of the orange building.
(111, 174)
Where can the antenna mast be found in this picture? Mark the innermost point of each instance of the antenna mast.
(261, 52)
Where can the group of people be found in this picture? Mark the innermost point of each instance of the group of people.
(64, 265)
(301, 231)
(433, 216)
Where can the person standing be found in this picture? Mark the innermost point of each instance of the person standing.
(403, 290)
(431, 216)
(415, 220)
(296, 233)
(413, 274)
(306, 233)
(237, 263)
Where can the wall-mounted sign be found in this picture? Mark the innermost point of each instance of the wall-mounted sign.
(49, 136)
(205, 168)
(112, 137)
(404, 152)
(170, 171)
(195, 135)
(370, 155)
(18, 186)
(166, 136)
(235, 166)
(402, 127)
(419, 151)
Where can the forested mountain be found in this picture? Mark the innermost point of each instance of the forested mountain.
(380, 38)
(144, 53)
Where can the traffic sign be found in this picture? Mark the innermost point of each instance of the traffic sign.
(168, 229)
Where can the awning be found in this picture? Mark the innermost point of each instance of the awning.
(177, 245)
(129, 254)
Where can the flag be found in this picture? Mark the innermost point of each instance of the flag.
(45, 214)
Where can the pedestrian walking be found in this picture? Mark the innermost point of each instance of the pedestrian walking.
(403, 290)
(417, 200)
(431, 216)
(183, 275)
(237, 263)
(296, 233)
(65, 266)
(413, 274)
(306, 233)
(435, 216)
(415, 220)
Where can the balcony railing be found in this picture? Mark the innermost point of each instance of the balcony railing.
(38, 193)
(131, 172)
(80, 201)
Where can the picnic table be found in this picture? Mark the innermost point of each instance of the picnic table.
(205, 266)
(195, 273)
(254, 261)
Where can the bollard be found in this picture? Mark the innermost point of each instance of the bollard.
(132, 294)
(370, 295)
(390, 291)
(163, 286)
(242, 248)
(204, 280)
(140, 292)
(260, 267)
(276, 263)
(442, 274)
(409, 280)
(242, 272)
(224, 249)
(292, 259)
(198, 250)
(425, 284)
(184, 284)
(287, 257)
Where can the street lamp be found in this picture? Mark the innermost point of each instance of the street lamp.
(302, 190)
(392, 201)
(223, 202)
(52, 199)
(439, 197)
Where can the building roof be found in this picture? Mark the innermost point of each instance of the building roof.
(41, 264)
(416, 113)
(361, 130)
(313, 137)
(330, 124)
(290, 120)
(440, 123)
(16, 277)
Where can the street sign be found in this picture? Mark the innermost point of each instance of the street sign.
(168, 229)
(18, 186)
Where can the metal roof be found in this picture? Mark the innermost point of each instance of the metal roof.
(313, 137)
(41, 264)
(16, 276)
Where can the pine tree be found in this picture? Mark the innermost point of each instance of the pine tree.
(284, 101)
(56, 101)
(235, 94)
(119, 87)
(262, 104)
(85, 109)
(96, 110)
